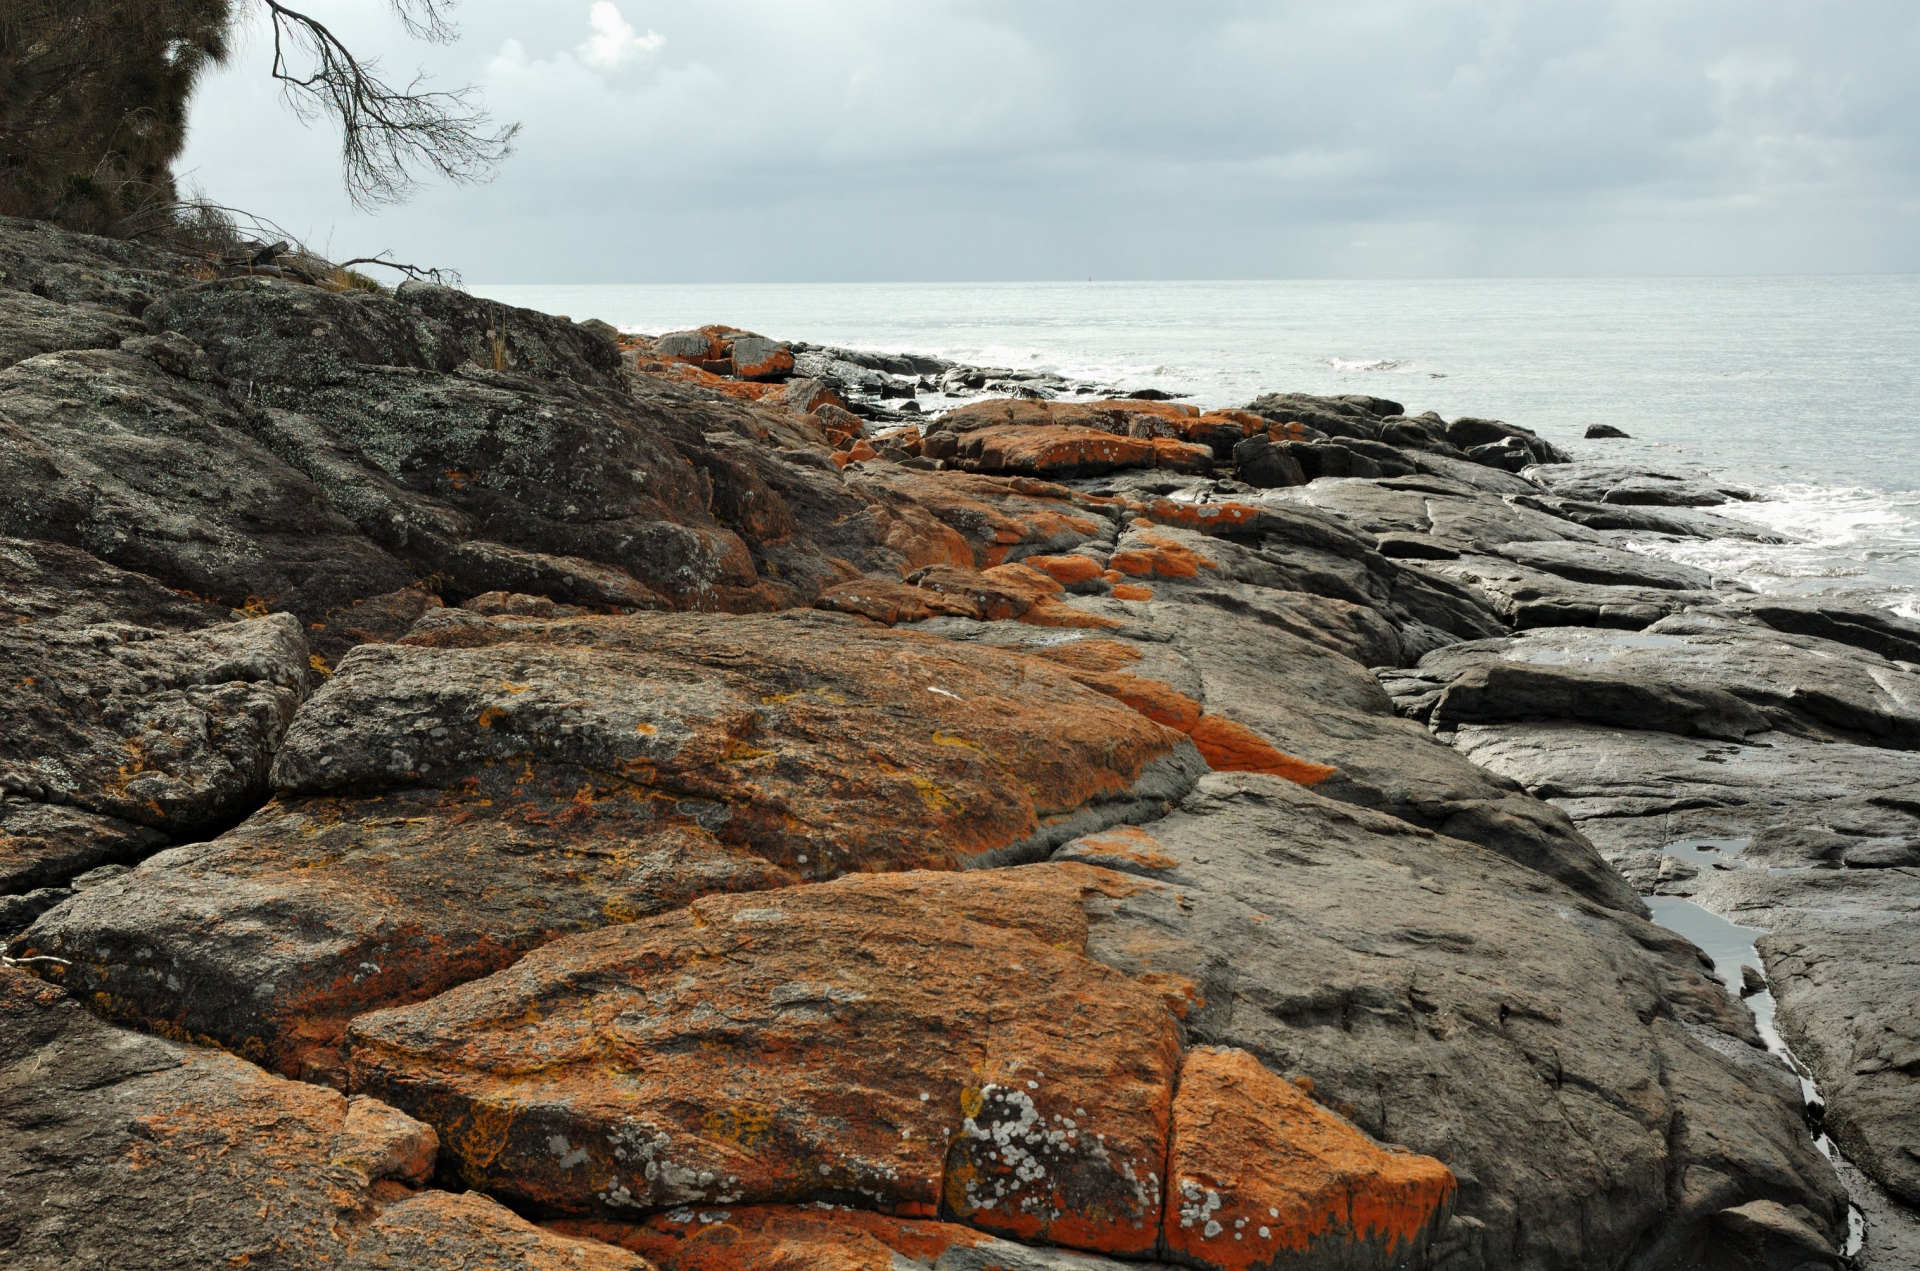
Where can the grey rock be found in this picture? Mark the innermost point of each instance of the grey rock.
(1602, 432)
(30, 325)
(1801, 684)
(1525, 597)
(1764, 1235)
(1261, 464)
(1502, 690)
(127, 706)
(1592, 563)
(1865, 627)
(1603, 482)
(1589, 1087)
(1671, 522)
(1004, 1255)
(1314, 704)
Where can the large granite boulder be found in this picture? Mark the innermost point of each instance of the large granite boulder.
(452, 801)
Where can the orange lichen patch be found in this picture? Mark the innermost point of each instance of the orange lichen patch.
(1152, 698)
(1056, 451)
(1065, 570)
(1048, 612)
(1259, 1174)
(1208, 518)
(1182, 456)
(894, 602)
(859, 449)
(1131, 591)
(1022, 577)
(687, 373)
(1123, 846)
(1148, 552)
(914, 1038)
(833, 1238)
(1090, 655)
(1228, 746)
(994, 514)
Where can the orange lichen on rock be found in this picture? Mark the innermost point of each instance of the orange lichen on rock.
(1155, 699)
(1066, 570)
(912, 1038)
(624, 765)
(892, 603)
(1054, 451)
(1229, 746)
(830, 1238)
(1132, 591)
(1148, 552)
(1226, 745)
(1261, 1176)
(1090, 655)
(1122, 847)
(994, 514)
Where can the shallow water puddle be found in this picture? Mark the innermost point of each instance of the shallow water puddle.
(1709, 853)
(1731, 946)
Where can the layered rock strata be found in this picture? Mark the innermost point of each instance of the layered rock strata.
(482, 789)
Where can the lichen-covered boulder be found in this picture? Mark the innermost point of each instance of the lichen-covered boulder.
(907, 1041)
(451, 801)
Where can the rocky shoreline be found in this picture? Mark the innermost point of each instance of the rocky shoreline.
(483, 789)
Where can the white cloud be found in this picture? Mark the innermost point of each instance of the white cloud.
(614, 42)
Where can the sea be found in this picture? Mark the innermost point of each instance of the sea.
(1806, 390)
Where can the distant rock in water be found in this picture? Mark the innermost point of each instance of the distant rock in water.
(1598, 432)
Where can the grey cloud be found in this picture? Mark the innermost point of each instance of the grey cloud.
(855, 139)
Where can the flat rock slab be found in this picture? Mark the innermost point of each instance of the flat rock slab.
(1601, 482)
(902, 1040)
(1592, 563)
(1806, 840)
(444, 809)
(1525, 596)
(1592, 1090)
(120, 1150)
(1799, 683)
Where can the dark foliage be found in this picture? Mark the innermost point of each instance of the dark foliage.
(93, 100)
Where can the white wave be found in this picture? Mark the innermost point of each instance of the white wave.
(1847, 542)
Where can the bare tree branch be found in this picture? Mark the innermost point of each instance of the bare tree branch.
(386, 133)
(419, 273)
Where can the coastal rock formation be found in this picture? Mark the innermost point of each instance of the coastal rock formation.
(485, 789)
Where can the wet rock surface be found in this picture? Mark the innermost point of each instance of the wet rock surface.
(485, 789)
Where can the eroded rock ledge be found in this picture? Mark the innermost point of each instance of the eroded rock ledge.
(479, 789)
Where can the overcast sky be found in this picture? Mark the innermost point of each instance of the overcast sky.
(919, 140)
